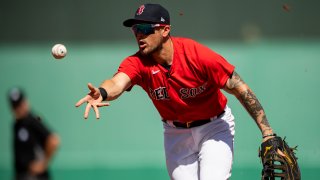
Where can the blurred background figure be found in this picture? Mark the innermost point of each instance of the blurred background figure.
(33, 143)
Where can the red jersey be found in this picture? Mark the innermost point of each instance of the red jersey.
(190, 89)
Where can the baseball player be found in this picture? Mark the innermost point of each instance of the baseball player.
(183, 78)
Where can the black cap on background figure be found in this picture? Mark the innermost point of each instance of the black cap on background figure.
(16, 96)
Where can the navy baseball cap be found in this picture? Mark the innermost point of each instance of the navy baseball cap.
(15, 96)
(150, 14)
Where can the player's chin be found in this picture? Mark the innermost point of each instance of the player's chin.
(144, 51)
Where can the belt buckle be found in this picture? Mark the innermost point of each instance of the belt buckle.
(188, 124)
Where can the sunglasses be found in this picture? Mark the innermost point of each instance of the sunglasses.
(145, 29)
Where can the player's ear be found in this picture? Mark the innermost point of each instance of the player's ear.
(166, 31)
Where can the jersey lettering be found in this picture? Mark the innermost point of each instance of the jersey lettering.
(192, 92)
(160, 93)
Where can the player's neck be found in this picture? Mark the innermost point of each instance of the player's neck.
(20, 114)
(165, 55)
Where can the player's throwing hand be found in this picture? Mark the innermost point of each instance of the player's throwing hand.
(93, 99)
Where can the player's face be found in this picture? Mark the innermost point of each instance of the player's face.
(22, 110)
(149, 37)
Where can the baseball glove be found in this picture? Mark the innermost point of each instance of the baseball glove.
(278, 160)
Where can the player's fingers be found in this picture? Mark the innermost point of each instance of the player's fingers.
(96, 110)
(103, 104)
(86, 112)
(81, 101)
(91, 87)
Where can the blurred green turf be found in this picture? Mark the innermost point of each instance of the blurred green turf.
(151, 174)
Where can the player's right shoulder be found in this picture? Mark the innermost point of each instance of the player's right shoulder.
(138, 60)
(132, 58)
(135, 57)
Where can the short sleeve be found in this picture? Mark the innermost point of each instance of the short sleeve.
(40, 131)
(130, 66)
(215, 66)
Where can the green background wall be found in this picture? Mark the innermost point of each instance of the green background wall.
(276, 52)
(35, 20)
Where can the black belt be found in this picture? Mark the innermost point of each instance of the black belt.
(192, 124)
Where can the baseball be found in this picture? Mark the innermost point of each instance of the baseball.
(59, 51)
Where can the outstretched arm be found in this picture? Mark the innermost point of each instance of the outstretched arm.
(236, 86)
(114, 88)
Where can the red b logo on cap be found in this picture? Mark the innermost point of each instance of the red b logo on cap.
(140, 10)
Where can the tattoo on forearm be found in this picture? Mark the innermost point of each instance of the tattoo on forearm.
(264, 121)
(253, 106)
(236, 86)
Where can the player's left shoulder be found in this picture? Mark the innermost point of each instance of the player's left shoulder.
(185, 45)
(183, 40)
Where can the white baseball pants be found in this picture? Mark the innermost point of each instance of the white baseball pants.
(201, 153)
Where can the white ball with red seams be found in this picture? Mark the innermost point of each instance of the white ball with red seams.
(59, 51)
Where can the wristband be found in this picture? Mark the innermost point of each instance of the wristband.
(103, 93)
(268, 135)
